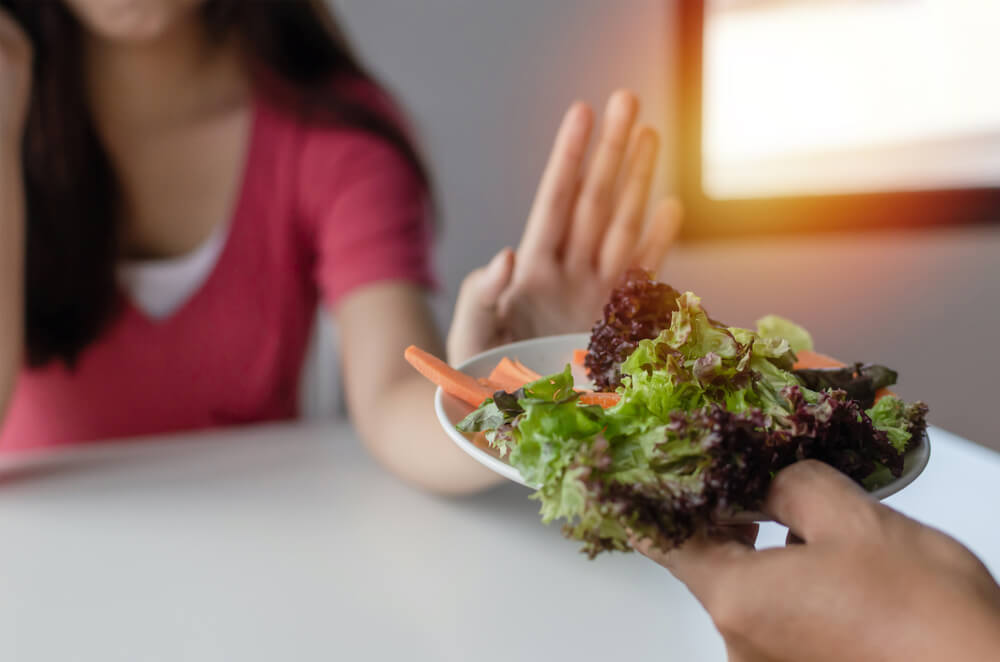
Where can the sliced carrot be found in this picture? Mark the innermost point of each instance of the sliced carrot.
(512, 375)
(605, 400)
(451, 381)
(579, 356)
(490, 384)
(506, 382)
(506, 368)
(816, 361)
(508, 376)
(528, 374)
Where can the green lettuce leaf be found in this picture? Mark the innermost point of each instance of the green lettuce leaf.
(696, 361)
(773, 326)
(898, 420)
(552, 428)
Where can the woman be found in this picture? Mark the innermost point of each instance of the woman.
(181, 181)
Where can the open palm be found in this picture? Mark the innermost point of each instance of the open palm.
(587, 225)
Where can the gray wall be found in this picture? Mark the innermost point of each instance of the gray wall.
(486, 82)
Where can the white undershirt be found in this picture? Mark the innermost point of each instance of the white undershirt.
(160, 287)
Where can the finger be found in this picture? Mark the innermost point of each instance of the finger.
(556, 195)
(660, 235)
(745, 534)
(477, 304)
(813, 499)
(593, 208)
(484, 287)
(619, 245)
(700, 560)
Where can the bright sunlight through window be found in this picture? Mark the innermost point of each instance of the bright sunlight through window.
(843, 96)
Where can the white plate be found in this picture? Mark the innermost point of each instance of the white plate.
(550, 355)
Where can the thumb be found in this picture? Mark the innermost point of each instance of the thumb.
(700, 561)
(494, 278)
(476, 324)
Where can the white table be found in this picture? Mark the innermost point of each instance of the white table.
(289, 543)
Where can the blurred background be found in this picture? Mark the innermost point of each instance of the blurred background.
(485, 84)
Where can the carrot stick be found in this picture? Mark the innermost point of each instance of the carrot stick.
(451, 381)
(505, 369)
(506, 382)
(605, 400)
(529, 374)
(490, 384)
(816, 361)
(579, 356)
(508, 376)
(512, 375)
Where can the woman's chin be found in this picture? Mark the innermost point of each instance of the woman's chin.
(137, 30)
(133, 22)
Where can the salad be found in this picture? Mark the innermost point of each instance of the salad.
(690, 420)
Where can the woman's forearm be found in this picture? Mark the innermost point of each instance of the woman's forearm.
(391, 405)
(407, 438)
(12, 222)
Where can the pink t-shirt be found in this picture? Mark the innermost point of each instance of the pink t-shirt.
(322, 211)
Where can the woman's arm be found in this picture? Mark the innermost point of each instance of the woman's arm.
(15, 84)
(390, 404)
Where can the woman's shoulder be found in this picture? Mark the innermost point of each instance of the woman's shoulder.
(357, 203)
(346, 131)
(334, 144)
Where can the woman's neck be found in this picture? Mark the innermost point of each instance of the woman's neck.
(163, 82)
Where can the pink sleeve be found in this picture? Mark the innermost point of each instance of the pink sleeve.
(366, 212)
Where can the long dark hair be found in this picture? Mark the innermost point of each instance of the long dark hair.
(72, 225)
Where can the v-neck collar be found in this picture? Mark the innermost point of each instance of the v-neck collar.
(234, 223)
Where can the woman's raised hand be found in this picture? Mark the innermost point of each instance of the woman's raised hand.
(588, 224)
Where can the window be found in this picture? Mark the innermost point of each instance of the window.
(842, 99)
